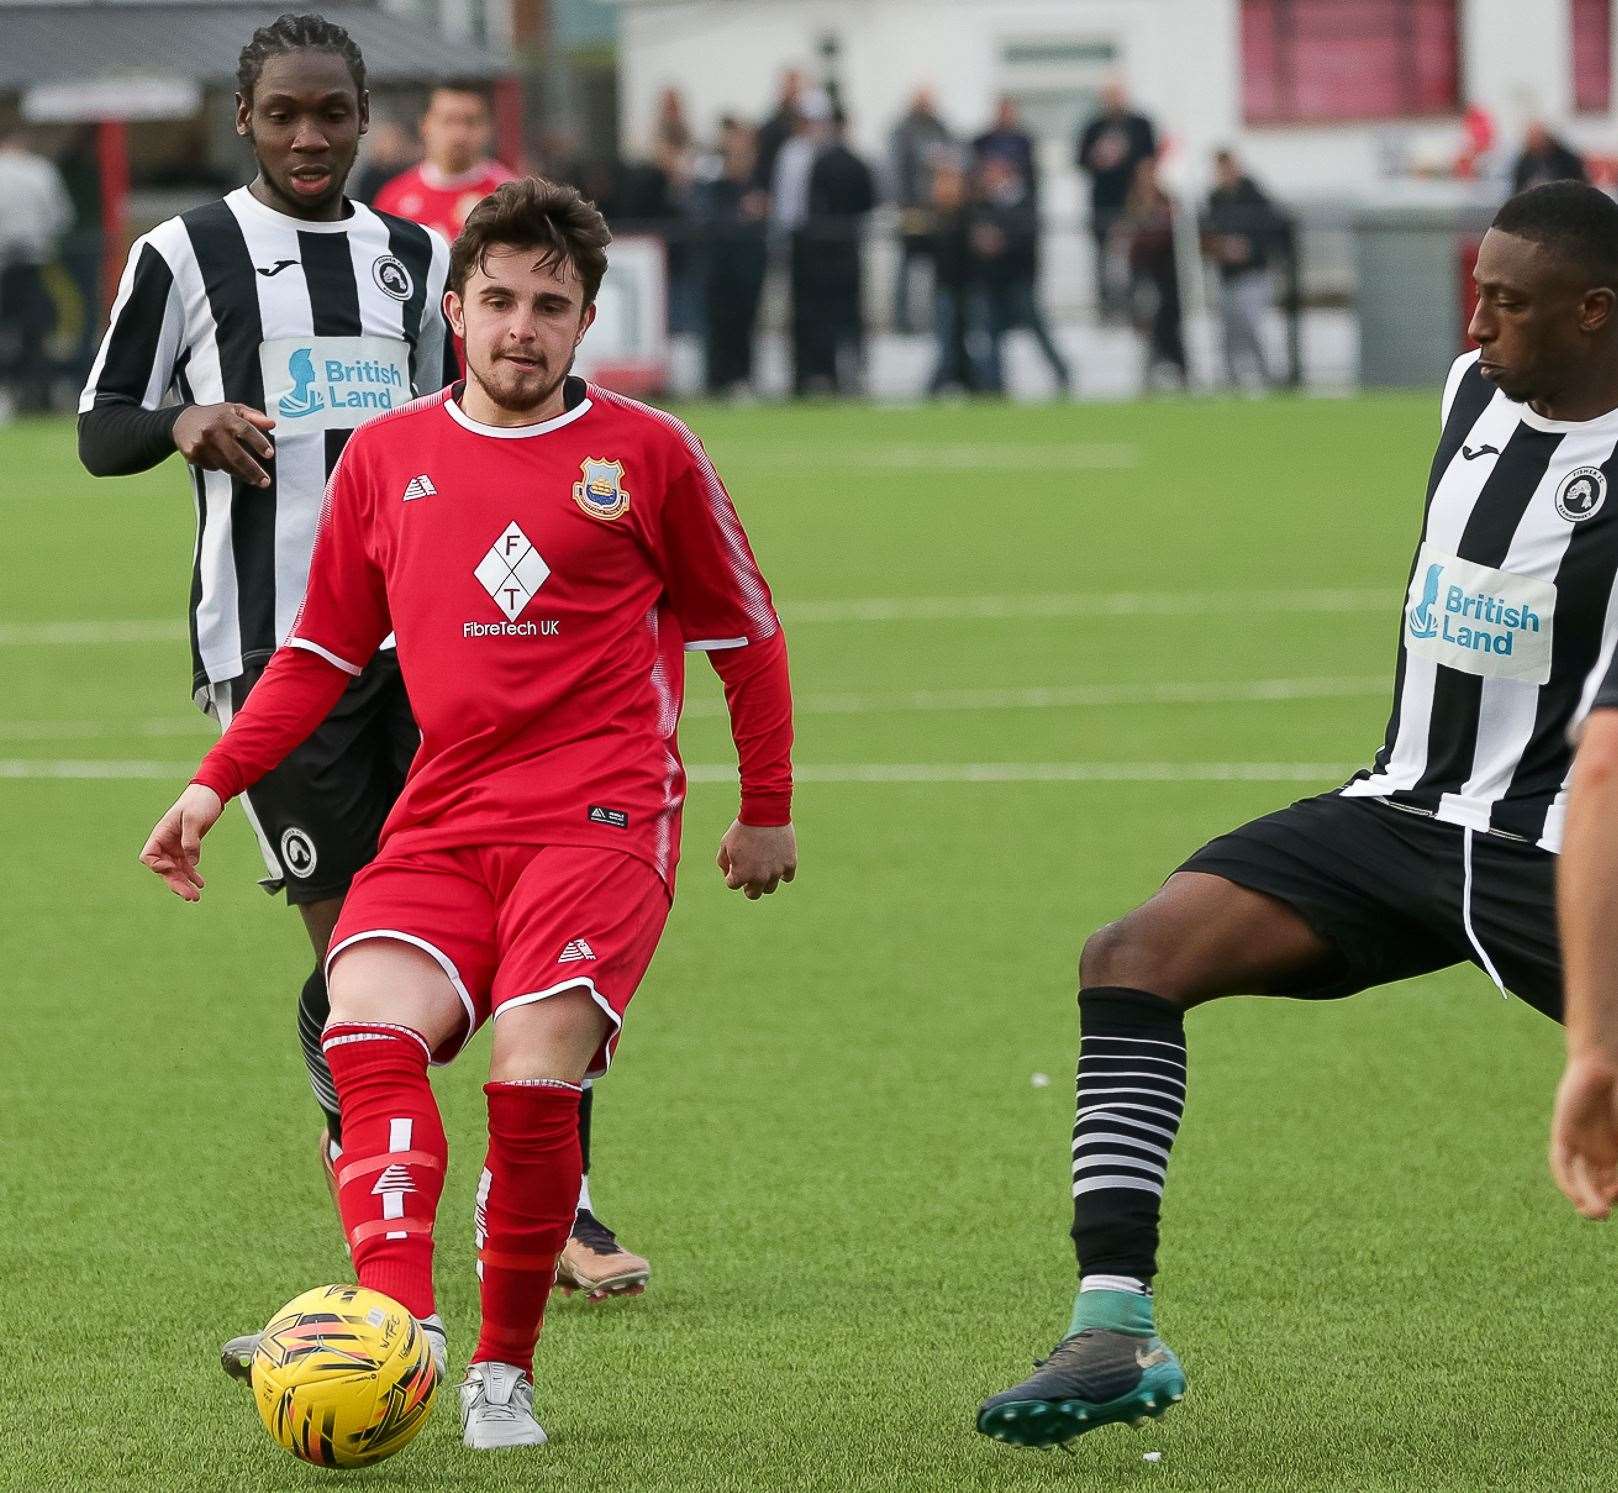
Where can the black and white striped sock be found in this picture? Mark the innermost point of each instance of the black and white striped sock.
(314, 1006)
(1131, 1094)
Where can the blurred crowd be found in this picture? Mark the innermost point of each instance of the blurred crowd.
(785, 207)
(968, 224)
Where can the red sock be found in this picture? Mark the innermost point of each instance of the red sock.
(392, 1167)
(527, 1199)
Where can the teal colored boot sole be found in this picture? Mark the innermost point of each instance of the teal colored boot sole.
(1046, 1423)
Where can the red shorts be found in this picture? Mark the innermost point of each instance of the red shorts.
(514, 924)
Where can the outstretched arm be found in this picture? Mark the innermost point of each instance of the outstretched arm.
(295, 694)
(342, 622)
(1584, 1130)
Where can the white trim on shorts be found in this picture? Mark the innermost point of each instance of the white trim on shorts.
(221, 708)
(445, 963)
(578, 982)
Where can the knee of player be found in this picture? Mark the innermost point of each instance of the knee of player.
(554, 1038)
(1120, 953)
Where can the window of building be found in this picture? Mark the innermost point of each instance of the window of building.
(1592, 56)
(1316, 61)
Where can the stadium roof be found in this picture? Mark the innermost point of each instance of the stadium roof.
(56, 43)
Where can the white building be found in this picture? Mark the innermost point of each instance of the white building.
(1323, 100)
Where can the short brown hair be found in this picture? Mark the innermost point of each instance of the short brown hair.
(532, 213)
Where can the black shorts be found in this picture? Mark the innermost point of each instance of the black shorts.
(1388, 890)
(318, 814)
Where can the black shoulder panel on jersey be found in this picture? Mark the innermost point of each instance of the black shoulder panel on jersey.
(132, 340)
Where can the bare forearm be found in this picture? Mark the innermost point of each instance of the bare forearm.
(1587, 893)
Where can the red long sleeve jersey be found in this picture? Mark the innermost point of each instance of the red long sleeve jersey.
(543, 583)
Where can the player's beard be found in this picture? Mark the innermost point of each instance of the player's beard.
(296, 206)
(520, 404)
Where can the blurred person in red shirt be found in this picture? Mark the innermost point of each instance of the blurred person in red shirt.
(458, 172)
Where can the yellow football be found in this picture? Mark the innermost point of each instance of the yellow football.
(343, 1377)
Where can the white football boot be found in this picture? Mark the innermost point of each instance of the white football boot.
(497, 1408)
(236, 1356)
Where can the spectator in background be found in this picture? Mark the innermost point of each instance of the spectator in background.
(957, 285)
(732, 212)
(35, 211)
(457, 172)
(918, 141)
(1239, 231)
(1007, 140)
(388, 149)
(1005, 241)
(1544, 158)
(674, 155)
(1147, 231)
(1110, 151)
(842, 192)
(778, 128)
(789, 216)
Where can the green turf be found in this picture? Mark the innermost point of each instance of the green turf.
(825, 1125)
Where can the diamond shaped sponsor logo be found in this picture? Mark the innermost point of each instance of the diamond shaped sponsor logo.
(512, 572)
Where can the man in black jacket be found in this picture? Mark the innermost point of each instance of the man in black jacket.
(1110, 148)
(827, 281)
(1544, 158)
(1239, 233)
(1006, 241)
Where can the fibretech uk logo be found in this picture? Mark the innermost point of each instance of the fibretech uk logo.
(512, 572)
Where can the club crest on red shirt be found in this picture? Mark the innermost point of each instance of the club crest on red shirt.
(601, 493)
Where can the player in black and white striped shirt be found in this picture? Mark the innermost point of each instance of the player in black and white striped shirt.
(252, 335)
(1441, 852)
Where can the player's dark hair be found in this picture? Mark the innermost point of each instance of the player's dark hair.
(294, 33)
(532, 213)
(1575, 221)
(473, 86)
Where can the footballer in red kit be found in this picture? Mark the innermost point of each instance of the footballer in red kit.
(458, 172)
(545, 553)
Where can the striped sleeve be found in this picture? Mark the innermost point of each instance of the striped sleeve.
(713, 582)
(436, 364)
(145, 338)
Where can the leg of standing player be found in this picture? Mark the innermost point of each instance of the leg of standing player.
(1199, 938)
(593, 1261)
(527, 1199)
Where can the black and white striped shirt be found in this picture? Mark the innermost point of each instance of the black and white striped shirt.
(320, 325)
(1511, 604)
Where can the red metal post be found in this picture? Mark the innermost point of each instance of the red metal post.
(112, 161)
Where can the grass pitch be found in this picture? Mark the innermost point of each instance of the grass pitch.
(1041, 654)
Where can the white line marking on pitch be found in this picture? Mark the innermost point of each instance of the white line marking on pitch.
(847, 773)
(1063, 697)
(861, 609)
(45, 634)
(876, 702)
(1084, 604)
(1074, 456)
